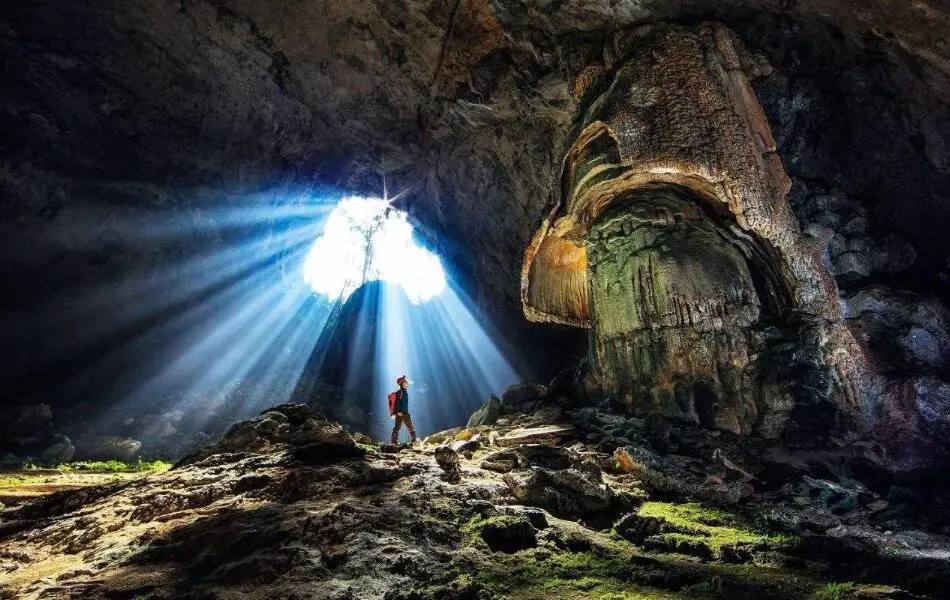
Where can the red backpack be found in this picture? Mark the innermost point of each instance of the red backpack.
(392, 403)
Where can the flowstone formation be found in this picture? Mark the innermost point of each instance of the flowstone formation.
(673, 243)
(673, 307)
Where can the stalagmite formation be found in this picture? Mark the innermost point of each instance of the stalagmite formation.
(673, 243)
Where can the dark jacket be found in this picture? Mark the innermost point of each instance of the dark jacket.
(402, 401)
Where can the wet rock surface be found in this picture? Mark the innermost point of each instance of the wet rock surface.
(258, 513)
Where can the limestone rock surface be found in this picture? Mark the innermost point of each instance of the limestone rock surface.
(263, 515)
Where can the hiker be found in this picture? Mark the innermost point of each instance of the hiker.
(399, 410)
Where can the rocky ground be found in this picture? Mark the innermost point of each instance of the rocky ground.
(530, 500)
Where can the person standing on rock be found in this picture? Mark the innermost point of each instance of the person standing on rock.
(399, 410)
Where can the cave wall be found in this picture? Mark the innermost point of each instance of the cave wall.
(160, 112)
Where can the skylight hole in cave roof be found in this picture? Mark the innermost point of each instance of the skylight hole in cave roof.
(366, 239)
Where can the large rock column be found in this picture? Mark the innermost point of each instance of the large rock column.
(673, 243)
(673, 309)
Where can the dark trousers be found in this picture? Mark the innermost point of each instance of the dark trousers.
(403, 418)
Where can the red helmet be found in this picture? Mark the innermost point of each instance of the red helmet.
(402, 380)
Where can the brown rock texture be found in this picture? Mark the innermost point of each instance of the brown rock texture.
(678, 285)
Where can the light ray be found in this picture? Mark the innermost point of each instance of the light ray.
(235, 328)
(452, 359)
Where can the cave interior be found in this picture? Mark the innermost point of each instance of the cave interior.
(669, 281)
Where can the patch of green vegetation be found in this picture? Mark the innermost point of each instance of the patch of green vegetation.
(585, 567)
(13, 480)
(472, 530)
(610, 570)
(114, 466)
(85, 472)
(714, 527)
(546, 573)
(368, 447)
(836, 591)
(98, 466)
(606, 567)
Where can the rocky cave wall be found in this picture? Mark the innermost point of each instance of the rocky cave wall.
(159, 113)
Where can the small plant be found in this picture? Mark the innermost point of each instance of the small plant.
(836, 591)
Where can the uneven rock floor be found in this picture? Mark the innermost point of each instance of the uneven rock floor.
(289, 506)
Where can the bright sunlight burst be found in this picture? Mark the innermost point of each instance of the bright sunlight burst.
(365, 239)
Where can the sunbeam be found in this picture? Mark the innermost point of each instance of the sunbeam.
(451, 360)
(409, 321)
(260, 307)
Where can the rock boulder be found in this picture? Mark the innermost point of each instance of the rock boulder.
(108, 447)
(285, 427)
(448, 460)
(487, 413)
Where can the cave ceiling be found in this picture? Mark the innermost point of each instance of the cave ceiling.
(151, 110)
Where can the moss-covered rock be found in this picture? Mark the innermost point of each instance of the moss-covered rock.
(705, 531)
(504, 533)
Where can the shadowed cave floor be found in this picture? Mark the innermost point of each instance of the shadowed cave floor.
(546, 503)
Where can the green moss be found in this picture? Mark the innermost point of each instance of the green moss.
(369, 448)
(712, 526)
(543, 573)
(472, 531)
(546, 572)
(609, 568)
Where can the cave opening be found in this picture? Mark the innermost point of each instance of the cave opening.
(366, 239)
